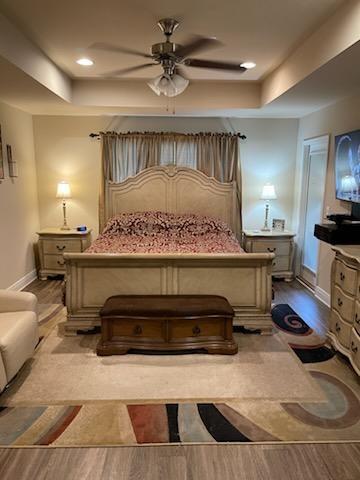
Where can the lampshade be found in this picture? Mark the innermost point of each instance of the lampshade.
(63, 190)
(168, 85)
(268, 192)
(348, 184)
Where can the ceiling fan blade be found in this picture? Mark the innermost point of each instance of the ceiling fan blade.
(123, 71)
(113, 48)
(231, 67)
(196, 45)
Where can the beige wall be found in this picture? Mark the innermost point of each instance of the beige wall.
(64, 151)
(19, 217)
(336, 119)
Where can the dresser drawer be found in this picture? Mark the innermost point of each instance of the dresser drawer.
(355, 348)
(357, 317)
(345, 277)
(269, 246)
(58, 246)
(343, 303)
(341, 329)
(54, 262)
(137, 329)
(206, 328)
(280, 264)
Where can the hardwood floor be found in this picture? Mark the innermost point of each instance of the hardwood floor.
(195, 462)
(336, 461)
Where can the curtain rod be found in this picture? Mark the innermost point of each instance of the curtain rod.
(226, 134)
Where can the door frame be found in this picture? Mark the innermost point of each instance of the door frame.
(314, 145)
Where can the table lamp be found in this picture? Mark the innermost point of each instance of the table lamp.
(64, 192)
(268, 193)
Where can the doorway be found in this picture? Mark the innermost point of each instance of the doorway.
(315, 158)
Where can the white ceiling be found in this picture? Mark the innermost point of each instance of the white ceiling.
(259, 30)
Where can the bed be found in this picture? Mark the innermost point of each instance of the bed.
(116, 264)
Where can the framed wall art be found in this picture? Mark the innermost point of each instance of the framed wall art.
(2, 172)
(13, 172)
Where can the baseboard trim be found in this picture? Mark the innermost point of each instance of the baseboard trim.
(24, 281)
(322, 295)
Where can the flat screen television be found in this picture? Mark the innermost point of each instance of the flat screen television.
(347, 166)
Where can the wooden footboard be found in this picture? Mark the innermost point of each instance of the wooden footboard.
(244, 279)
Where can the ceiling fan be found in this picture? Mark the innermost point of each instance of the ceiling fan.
(172, 57)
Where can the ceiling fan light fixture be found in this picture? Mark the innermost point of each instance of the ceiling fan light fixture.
(168, 85)
(248, 65)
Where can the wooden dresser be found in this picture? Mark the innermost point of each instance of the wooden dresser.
(53, 242)
(344, 328)
(279, 243)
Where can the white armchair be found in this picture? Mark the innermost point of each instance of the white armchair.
(19, 332)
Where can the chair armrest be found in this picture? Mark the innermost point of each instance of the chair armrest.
(17, 301)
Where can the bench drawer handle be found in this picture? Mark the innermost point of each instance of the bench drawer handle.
(61, 263)
(339, 302)
(271, 250)
(337, 327)
(342, 276)
(353, 348)
(196, 330)
(137, 330)
(61, 247)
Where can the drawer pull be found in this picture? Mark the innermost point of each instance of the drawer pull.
(271, 250)
(274, 264)
(61, 247)
(61, 263)
(353, 348)
(337, 327)
(196, 330)
(339, 302)
(137, 330)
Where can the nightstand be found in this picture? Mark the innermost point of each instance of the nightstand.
(53, 242)
(280, 243)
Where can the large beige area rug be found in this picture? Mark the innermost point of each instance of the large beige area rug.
(67, 370)
(68, 396)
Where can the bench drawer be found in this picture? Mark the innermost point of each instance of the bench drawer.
(188, 329)
(137, 329)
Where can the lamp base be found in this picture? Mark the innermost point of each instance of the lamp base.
(266, 229)
(65, 227)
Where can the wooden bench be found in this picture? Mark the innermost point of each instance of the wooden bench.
(166, 323)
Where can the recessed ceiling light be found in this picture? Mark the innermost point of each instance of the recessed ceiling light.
(85, 62)
(248, 65)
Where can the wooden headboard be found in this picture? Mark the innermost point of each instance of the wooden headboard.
(175, 190)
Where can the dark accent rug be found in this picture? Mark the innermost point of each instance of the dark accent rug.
(335, 418)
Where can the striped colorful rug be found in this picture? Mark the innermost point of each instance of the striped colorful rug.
(337, 418)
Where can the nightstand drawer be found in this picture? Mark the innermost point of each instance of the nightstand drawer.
(61, 245)
(280, 264)
(54, 262)
(278, 247)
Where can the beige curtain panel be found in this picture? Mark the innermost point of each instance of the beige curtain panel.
(126, 154)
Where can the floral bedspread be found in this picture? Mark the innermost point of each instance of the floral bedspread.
(159, 232)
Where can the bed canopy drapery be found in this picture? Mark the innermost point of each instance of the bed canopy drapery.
(126, 154)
